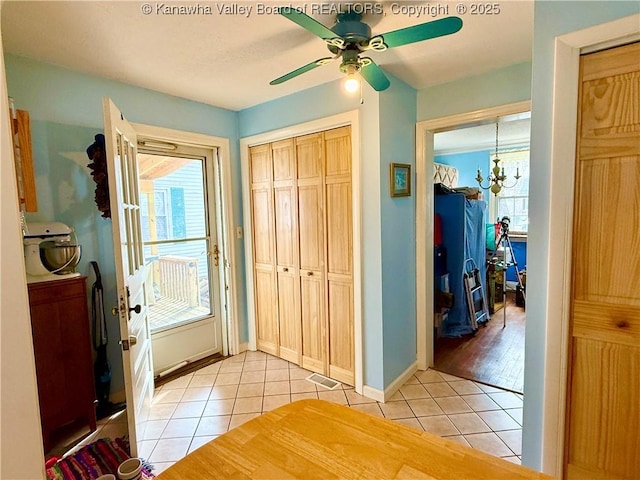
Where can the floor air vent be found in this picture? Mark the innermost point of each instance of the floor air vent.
(323, 381)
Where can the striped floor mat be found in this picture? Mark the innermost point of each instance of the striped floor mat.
(88, 463)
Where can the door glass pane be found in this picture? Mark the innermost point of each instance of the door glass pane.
(174, 230)
(178, 282)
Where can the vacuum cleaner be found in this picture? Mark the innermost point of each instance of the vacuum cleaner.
(101, 367)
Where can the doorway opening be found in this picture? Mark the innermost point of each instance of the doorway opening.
(179, 211)
(425, 213)
(479, 231)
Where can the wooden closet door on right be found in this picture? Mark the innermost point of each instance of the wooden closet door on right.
(337, 146)
(603, 421)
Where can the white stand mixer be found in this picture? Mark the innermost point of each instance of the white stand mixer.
(43, 267)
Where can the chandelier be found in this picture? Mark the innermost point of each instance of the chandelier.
(497, 177)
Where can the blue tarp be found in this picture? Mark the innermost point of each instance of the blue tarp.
(464, 236)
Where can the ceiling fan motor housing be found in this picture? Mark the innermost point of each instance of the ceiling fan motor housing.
(350, 27)
(350, 62)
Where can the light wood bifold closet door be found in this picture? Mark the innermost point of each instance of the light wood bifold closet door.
(264, 261)
(303, 251)
(603, 421)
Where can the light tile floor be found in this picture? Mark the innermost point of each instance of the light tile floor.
(195, 408)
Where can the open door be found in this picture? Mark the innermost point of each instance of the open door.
(124, 192)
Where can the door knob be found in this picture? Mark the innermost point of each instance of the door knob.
(285, 269)
(309, 274)
(127, 344)
(115, 310)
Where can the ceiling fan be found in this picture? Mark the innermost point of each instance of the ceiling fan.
(350, 37)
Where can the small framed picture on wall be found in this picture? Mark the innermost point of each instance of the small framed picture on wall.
(400, 180)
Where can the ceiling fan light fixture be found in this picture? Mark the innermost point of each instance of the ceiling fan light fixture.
(352, 83)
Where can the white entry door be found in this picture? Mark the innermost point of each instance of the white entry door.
(131, 274)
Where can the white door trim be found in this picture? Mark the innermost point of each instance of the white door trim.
(342, 119)
(562, 183)
(424, 215)
(219, 147)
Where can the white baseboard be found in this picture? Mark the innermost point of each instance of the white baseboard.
(373, 393)
(392, 388)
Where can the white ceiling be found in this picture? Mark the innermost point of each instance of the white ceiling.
(227, 60)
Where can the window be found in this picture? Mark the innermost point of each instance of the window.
(160, 215)
(514, 202)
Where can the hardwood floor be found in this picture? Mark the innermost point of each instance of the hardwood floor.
(493, 355)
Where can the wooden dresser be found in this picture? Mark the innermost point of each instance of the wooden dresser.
(62, 347)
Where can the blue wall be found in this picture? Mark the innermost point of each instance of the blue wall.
(551, 19)
(398, 215)
(467, 164)
(66, 112)
(498, 87)
(316, 102)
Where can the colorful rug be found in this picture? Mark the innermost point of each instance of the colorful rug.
(88, 463)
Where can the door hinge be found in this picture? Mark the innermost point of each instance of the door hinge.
(216, 255)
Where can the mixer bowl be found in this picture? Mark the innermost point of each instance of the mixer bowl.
(60, 259)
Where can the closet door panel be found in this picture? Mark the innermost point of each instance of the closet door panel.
(339, 235)
(313, 322)
(286, 235)
(338, 152)
(311, 227)
(283, 154)
(608, 199)
(309, 156)
(341, 340)
(260, 164)
(339, 238)
(289, 314)
(286, 226)
(266, 310)
(262, 227)
(264, 280)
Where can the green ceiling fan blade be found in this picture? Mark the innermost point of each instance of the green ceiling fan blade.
(306, 22)
(301, 70)
(424, 31)
(374, 76)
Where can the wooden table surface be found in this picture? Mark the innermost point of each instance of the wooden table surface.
(312, 439)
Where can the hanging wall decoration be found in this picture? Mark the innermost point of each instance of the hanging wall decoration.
(98, 166)
(400, 180)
